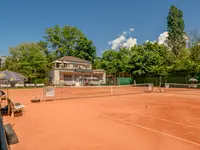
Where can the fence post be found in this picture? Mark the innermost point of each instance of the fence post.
(62, 97)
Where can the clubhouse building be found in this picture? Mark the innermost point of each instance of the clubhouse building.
(73, 71)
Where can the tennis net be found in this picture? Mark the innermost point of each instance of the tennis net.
(180, 87)
(99, 91)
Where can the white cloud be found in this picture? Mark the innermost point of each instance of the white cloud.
(131, 29)
(124, 33)
(116, 43)
(147, 41)
(130, 42)
(162, 38)
(123, 40)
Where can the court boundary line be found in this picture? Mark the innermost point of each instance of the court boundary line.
(150, 129)
(165, 120)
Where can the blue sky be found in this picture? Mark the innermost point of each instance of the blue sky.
(100, 20)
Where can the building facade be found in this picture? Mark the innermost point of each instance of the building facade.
(72, 71)
(2, 60)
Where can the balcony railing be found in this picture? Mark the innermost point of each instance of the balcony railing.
(68, 67)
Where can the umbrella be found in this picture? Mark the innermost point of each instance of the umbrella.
(11, 77)
(193, 80)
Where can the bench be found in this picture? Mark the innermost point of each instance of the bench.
(40, 85)
(14, 108)
(19, 85)
(30, 85)
(68, 83)
(5, 85)
(193, 86)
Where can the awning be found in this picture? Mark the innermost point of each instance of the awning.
(83, 70)
(91, 78)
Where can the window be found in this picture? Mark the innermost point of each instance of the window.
(89, 67)
(69, 66)
(67, 78)
(76, 66)
(57, 65)
(82, 67)
(61, 65)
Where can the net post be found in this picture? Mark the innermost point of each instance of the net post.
(134, 82)
(111, 91)
(44, 94)
(166, 85)
(152, 87)
(62, 97)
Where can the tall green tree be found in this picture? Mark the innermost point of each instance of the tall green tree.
(69, 41)
(50, 56)
(150, 59)
(175, 26)
(85, 49)
(195, 53)
(183, 65)
(28, 59)
(97, 63)
(111, 62)
(125, 56)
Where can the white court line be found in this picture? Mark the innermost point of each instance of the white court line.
(149, 129)
(165, 120)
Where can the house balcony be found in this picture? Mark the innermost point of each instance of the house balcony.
(71, 67)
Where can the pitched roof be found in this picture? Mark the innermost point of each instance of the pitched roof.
(73, 59)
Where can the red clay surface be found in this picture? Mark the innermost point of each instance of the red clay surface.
(145, 121)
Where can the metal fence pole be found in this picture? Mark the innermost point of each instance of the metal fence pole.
(3, 141)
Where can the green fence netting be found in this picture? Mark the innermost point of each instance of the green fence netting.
(124, 81)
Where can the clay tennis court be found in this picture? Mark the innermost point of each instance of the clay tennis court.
(133, 120)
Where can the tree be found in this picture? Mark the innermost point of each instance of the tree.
(50, 56)
(28, 59)
(69, 41)
(150, 59)
(194, 37)
(85, 49)
(183, 65)
(97, 63)
(111, 62)
(195, 53)
(125, 56)
(175, 25)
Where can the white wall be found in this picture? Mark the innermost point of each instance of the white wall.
(56, 76)
(104, 77)
(2, 60)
